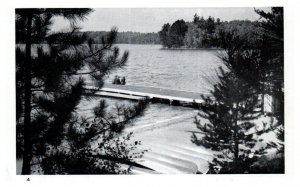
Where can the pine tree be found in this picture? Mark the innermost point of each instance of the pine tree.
(272, 55)
(254, 61)
(229, 129)
(177, 32)
(164, 35)
(256, 55)
(52, 70)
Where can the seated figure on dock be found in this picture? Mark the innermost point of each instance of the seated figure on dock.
(123, 81)
(116, 80)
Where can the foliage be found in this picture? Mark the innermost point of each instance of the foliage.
(256, 55)
(95, 146)
(50, 81)
(205, 33)
(193, 37)
(173, 35)
(164, 35)
(245, 30)
(272, 50)
(253, 55)
(177, 32)
(126, 37)
(268, 165)
(230, 130)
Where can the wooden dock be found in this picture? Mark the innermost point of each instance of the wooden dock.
(142, 92)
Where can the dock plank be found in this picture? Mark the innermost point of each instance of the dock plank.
(151, 92)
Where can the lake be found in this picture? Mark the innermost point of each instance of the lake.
(188, 70)
(165, 130)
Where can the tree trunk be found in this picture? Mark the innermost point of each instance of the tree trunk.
(27, 155)
(236, 139)
(263, 104)
(236, 153)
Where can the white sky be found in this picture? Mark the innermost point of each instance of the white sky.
(152, 19)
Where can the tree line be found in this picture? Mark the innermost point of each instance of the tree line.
(202, 33)
(126, 37)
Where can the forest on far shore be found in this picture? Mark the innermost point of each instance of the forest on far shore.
(205, 33)
(199, 33)
(126, 37)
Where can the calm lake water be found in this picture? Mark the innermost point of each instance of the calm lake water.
(188, 70)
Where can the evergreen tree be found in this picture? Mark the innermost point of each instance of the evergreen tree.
(200, 23)
(164, 35)
(210, 25)
(52, 70)
(255, 58)
(240, 55)
(173, 35)
(177, 33)
(193, 37)
(229, 129)
(272, 55)
(255, 53)
(196, 19)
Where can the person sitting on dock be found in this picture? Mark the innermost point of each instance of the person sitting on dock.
(116, 80)
(123, 81)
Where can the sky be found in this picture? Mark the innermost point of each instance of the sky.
(151, 19)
